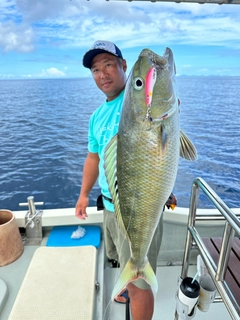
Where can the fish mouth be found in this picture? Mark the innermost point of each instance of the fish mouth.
(156, 61)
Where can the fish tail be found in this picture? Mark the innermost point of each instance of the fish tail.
(131, 273)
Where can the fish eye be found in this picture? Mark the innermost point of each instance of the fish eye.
(138, 83)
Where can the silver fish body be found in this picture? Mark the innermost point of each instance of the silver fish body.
(141, 161)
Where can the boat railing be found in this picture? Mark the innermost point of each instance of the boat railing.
(195, 241)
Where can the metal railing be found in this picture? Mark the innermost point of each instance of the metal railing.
(194, 240)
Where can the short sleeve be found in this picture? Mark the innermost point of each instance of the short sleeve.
(92, 141)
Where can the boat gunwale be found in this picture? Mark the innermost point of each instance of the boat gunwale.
(66, 216)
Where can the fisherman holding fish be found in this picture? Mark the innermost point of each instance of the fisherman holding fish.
(133, 150)
(108, 69)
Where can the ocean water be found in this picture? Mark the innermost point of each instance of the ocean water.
(43, 139)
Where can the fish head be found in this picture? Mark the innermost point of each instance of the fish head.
(151, 87)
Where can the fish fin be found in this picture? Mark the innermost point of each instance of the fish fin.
(110, 161)
(110, 167)
(168, 54)
(187, 149)
(130, 273)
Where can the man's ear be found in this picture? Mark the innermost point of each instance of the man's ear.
(124, 65)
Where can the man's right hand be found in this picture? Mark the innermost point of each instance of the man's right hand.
(90, 174)
(81, 205)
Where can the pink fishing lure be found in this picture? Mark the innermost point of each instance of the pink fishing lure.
(150, 82)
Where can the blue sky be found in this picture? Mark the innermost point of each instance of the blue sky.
(47, 38)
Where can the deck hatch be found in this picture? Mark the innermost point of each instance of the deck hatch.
(59, 284)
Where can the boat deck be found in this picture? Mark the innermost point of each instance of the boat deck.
(168, 271)
(165, 301)
(14, 273)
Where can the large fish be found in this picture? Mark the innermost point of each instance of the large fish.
(141, 161)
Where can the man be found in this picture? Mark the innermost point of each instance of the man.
(108, 69)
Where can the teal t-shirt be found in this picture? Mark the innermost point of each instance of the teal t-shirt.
(103, 126)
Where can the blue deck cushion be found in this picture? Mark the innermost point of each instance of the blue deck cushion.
(60, 236)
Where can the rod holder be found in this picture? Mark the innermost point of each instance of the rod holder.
(33, 222)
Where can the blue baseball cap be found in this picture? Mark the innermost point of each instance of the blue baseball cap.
(100, 46)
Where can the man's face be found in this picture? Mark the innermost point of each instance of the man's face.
(109, 74)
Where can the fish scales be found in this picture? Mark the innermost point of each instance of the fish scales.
(146, 156)
(144, 183)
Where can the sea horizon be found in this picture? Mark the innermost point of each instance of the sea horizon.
(89, 77)
(43, 139)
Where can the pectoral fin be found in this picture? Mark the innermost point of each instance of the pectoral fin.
(110, 166)
(187, 149)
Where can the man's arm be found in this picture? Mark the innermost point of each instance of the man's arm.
(90, 174)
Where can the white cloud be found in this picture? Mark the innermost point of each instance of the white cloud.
(7, 9)
(38, 10)
(7, 76)
(78, 23)
(52, 72)
(53, 28)
(203, 70)
(16, 38)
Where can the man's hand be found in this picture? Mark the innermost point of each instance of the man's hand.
(90, 174)
(171, 202)
(81, 205)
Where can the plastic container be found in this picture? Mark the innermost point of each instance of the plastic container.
(207, 292)
(188, 293)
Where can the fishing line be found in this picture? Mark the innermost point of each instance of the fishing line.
(121, 246)
(109, 305)
(117, 270)
(109, 309)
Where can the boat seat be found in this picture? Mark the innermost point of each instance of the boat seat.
(232, 277)
(59, 284)
(3, 294)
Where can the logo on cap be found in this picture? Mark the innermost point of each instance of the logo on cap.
(100, 44)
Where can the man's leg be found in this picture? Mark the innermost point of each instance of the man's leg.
(111, 232)
(141, 302)
(109, 229)
(140, 293)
